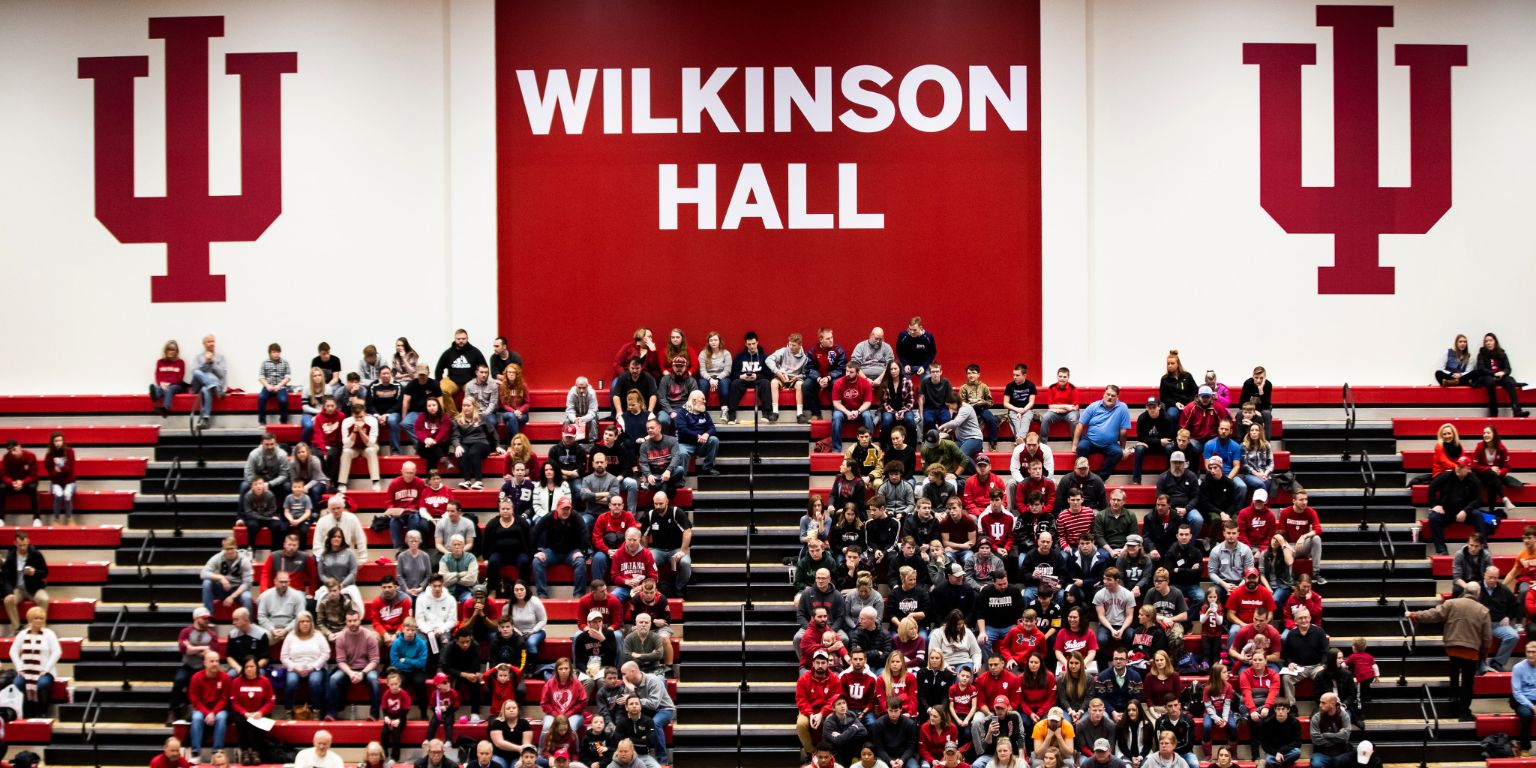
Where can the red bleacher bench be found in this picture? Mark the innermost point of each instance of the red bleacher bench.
(30, 731)
(1488, 725)
(824, 463)
(85, 501)
(94, 572)
(1427, 394)
(356, 733)
(1440, 565)
(487, 498)
(1511, 762)
(821, 428)
(1419, 460)
(66, 536)
(112, 434)
(1470, 428)
(72, 610)
(533, 691)
(1507, 530)
(1135, 495)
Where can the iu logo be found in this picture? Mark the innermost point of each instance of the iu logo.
(1356, 210)
(187, 219)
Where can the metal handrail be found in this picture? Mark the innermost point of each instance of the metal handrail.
(115, 647)
(1348, 396)
(1388, 559)
(1411, 636)
(1367, 487)
(172, 486)
(88, 726)
(744, 687)
(147, 551)
(1431, 725)
(195, 426)
(752, 461)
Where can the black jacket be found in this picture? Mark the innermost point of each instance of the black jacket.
(1455, 493)
(895, 740)
(8, 571)
(561, 536)
(1182, 490)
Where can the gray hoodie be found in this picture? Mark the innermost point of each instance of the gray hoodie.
(788, 363)
(871, 361)
(269, 466)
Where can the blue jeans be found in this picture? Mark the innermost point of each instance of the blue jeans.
(393, 422)
(341, 684)
(994, 634)
(684, 567)
(165, 393)
(495, 562)
(316, 689)
(1290, 758)
(63, 500)
(988, 422)
(512, 421)
(220, 725)
(1526, 715)
(933, 417)
(888, 420)
(1254, 482)
(1507, 637)
(706, 453)
(533, 643)
(1111, 453)
(1231, 724)
(409, 520)
(867, 418)
(578, 563)
(663, 718)
(1194, 594)
(721, 388)
(1438, 522)
(664, 416)
(44, 683)
(970, 447)
(280, 395)
(205, 385)
(213, 593)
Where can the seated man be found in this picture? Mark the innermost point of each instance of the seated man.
(661, 464)
(19, 471)
(1455, 497)
(788, 367)
(669, 534)
(827, 364)
(1019, 402)
(359, 437)
(673, 390)
(634, 379)
(581, 409)
(227, 578)
(386, 399)
(853, 399)
(560, 538)
(1060, 401)
(748, 374)
(696, 434)
(1156, 431)
(23, 579)
(357, 661)
(1102, 429)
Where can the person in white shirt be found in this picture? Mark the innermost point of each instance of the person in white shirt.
(437, 613)
(359, 435)
(36, 654)
(337, 516)
(581, 409)
(320, 755)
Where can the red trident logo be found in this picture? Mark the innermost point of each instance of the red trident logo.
(1355, 210)
(187, 219)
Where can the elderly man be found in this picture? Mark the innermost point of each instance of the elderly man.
(435, 757)
(1467, 633)
(279, 607)
(580, 409)
(1303, 651)
(337, 516)
(654, 701)
(320, 755)
(1504, 611)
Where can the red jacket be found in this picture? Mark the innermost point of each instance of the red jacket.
(813, 694)
(1046, 487)
(1255, 528)
(1006, 684)
(440, 431)
(625, 566)
(1202, 423)
(930, 742)
(1441, 461)
(328, 431)
(1018, 644)
(977, 493)
(1314, 604)
(861, 690)
(251, 697)
(651, 358)
(388, 617)
(209, 694)
(996, 527)
(606, 524)
(23, 467)
(170, 371)
(613, 610)
(1294, 524)
(1480, 462)
(1059, 394)
(1038, 701)
(406, 495)
(1260, 691)
(906, 690)
(61, 468)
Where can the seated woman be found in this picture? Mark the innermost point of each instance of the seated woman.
(338, 561)
(170, 378)
(1490, 460)
(1494, 373)
(305, 654)
(1457, 361)
(36, 653)
(514, 400)
(1258, 461)
(251, 698)
(473, 441)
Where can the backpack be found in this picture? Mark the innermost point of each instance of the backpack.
(1497, 745)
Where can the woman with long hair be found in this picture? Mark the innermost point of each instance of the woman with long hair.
(1074, 687)
(338, 561)
(642, 345)
(956, 643)
(1133, 733)
(434, 431)
(1220, 702)
(1177, 388)
(898, 684)
(1447, 450)
(59, 462)
(847, 532)
(405, 359)
(551, 489)
(814, 524)
(1258, 461)
(1161, 683)
(1223, 395)
(473, 441)
(558, 735)
(1493, 372)
(714, 370)
(1457, 361)
(1076, 636)
(251, 698)
(934, 733)
(528, 617)
(848, 488)
(677, 346)
(311, 402)
(170, 378)
(1490, 460)
(1275, 567)
(514, 400)
(1037, 690)
(564, 696)
(519, 448)
(898, 401)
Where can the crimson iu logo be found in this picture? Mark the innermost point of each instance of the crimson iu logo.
(1356, 210)
(187, 219)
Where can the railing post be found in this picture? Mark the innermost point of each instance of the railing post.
(197, 437)
(146, 574)
(1410, 641)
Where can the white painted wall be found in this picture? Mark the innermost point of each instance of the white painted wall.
(1151, 212)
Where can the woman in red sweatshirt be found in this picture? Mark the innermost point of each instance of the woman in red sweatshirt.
(59, 462)
(932, 735)
(251, 697)
(170, 378)
(1037, 689)
(1490, 460)
(564, 696)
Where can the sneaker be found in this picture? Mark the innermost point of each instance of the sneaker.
(1317, 578)
(377, 487)
(773, 417)
(712, 472)
(804, 418)
(474, 719)
(1509, 504)
(731, 421)
(463, 485)
(37, 522)
(477, 486)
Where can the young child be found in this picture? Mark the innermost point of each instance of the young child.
(442, 704)
(1364, 666)
(507, 647)
(1213, 628)
(298, 509)
(504, 684)
(395, 706)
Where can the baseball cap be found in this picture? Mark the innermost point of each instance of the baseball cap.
(438, 679)
(563, 503)
(932, 436)
(1134, 538)
(1102, 745)
(1364, 751)
(955, 569)
(568, 430)
(562, 752)
(1000, 700)
(1261, 495)
(1177, 456)
(950, 746)
(1464, 462)
(1250, 571)
(1151, 401)
(594, 614)
(820, 655)
(1206, 391)
(199, 612)
(529, 748)
(1055, 714)
(981, 458)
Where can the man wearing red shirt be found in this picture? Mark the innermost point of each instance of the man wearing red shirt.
(996, 525)
(170, 755)
(608, 533)
(632, 565)
(388, 610)
(327, 436)
(1257, 522)
(814, 692)
(853, 399)
(977, 492)
(209, 695)
(1037, 481)
(859, 687)
(958, 532)
(997, 681)
(1245, 599)
(1304, 531)
(598, 599)
(1259, 627)
(403, 505)
(1022, 640)
(19, 471)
